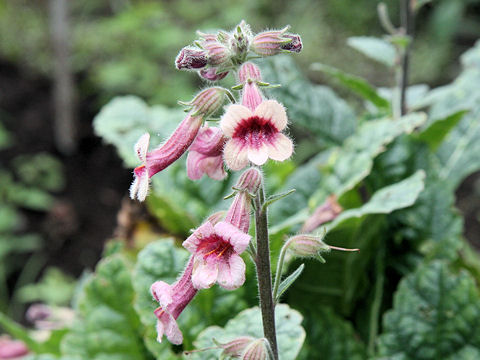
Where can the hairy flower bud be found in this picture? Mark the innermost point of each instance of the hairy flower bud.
(249, 181)
(257, 350)
(241, 39)
(236, 347)
(215, 218)
(207, 101)
(307, 245)
(295, 45)
(273, 42)
(249, 72)
(212, 74)
(190, 58)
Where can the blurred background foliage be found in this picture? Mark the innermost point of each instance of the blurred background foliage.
(128, 47)
(343, 146)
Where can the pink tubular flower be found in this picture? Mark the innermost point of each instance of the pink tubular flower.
(173, 299)
(205, 155)
(326, 212)
(216, 248)
(160, 158)
(216, 252)
(12, 349)
(204, 104)
(273, 42)
(255, 135)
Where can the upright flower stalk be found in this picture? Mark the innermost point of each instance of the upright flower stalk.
(249, 133)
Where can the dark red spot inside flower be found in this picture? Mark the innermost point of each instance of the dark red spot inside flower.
(255, 131)
(215, 247)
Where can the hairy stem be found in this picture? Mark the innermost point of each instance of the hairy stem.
(264, 273)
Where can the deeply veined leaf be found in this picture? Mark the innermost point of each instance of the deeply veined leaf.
(290, 334)
(435, 315)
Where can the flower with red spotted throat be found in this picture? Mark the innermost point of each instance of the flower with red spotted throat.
(205, 155)
(254, 130)
(217, 248)
(173, 299)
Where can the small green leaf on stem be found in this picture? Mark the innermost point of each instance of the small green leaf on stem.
(289, 280)
(276, 197)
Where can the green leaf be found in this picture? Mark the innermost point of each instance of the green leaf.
(55, 288)
(437, 130)
(342, 168)
(317, 110)
(374, 48)
(290, 334)
(387, 199)
(288, 281)
(343, 278)
(435, 315)
(108, 326)
(355, 83)
(330, 337)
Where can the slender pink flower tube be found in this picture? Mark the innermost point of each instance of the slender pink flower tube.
(216, 248)
(326, 212)
(249, 75)
(160, 158)
(205, 155)
(12, 349)
(173, 299)
(204, 104)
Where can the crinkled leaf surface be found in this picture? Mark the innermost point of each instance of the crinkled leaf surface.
(316, 109)
(435, 315)
(341, 169)
(330, 337)
(290, 334)
(343, 278)
(108, 326)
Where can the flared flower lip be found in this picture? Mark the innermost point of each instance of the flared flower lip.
(255, 136)
(224, 266)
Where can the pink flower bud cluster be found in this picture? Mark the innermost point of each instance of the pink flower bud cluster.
(215, 54)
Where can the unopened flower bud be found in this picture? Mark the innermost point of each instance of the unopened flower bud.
(307, 245)
(191, 58)
(257, 350)
(270, 42)
(249, 181)
(236, 347)
(295, 45)
(249, 72)
(241, 38)
(211, 74)
(208, 101)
